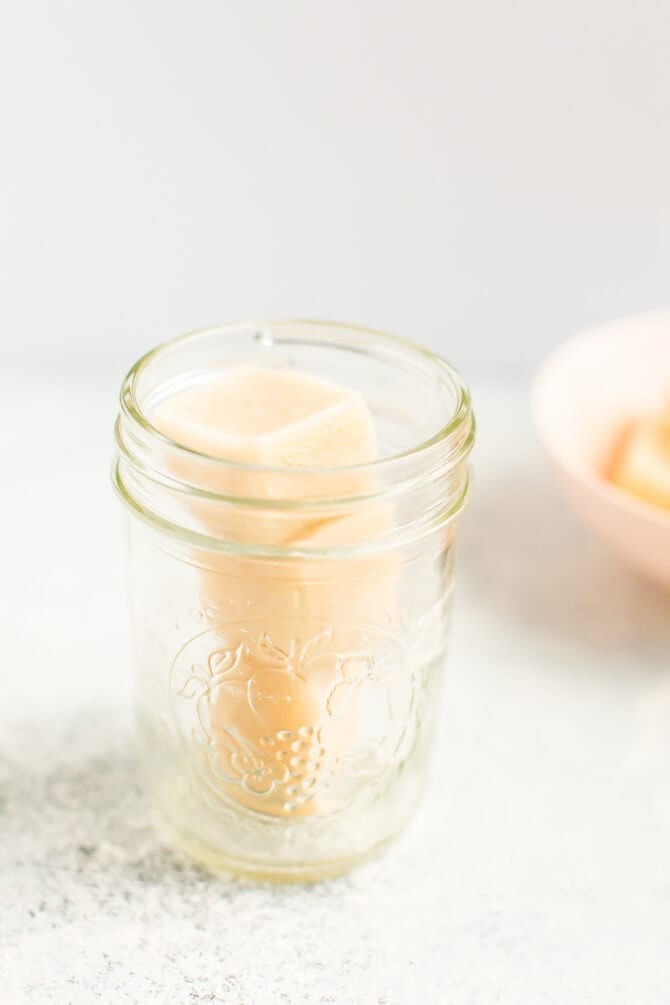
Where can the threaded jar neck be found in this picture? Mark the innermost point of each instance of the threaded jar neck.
(419, 483)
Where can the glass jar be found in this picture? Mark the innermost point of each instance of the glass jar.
(286, 693)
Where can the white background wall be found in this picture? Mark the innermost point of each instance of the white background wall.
(485, 176)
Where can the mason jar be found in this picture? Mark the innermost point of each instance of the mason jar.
(287, 684)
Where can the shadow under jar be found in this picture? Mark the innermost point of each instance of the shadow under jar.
(287, 682)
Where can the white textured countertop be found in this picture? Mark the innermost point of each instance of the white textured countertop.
(538, 868)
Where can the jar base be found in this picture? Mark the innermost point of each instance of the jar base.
(226, 865)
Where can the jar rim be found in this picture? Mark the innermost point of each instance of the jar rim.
(460, 414)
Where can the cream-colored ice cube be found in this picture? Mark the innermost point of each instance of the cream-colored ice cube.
(279, 419)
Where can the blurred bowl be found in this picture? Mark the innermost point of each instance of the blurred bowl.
(582, 396)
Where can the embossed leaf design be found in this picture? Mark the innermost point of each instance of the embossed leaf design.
(223, 661)
(314, 655)
(298, 658)
(192, 688)
(271, 655)
(316, 645)
(341, 698)
(196, 684)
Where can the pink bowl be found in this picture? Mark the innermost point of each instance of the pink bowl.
(581, 397)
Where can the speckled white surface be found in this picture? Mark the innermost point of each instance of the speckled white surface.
(538, 868)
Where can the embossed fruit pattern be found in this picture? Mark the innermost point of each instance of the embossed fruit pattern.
(295, 729)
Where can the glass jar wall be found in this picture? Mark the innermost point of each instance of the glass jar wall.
(290, 625)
